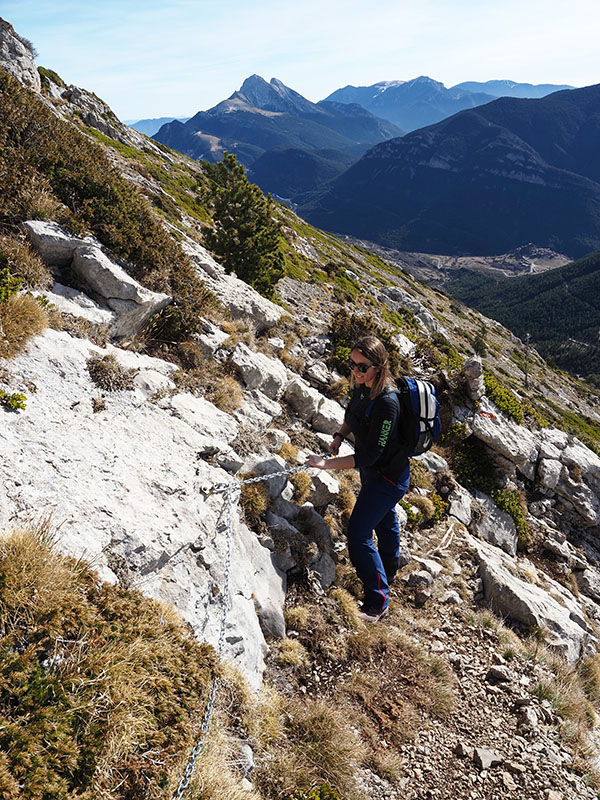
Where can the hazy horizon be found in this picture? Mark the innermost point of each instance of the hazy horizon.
(156, 59)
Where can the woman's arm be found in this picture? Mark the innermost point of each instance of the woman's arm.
(339, 462)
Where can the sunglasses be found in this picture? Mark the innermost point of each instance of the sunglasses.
(362, 368)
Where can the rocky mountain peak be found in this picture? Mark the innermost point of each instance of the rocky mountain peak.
(273, 96)
(16, 57)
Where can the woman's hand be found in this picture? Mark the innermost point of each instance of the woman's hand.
(316, 461)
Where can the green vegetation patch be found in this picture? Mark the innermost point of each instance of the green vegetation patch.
(474, 469)
(503, 398)
(44, 157)
(47, 75)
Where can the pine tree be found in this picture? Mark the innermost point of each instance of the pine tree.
(246, 236)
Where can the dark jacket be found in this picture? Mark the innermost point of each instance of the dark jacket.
(374, 424)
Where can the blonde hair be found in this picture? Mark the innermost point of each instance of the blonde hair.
(372, 348)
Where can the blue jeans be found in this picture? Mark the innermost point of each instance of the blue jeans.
(375, 511)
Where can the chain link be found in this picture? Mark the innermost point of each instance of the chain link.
(228, 489)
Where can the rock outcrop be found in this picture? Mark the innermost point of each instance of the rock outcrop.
(123, 487)
(114, 290)
(550, 609)
(16, 57)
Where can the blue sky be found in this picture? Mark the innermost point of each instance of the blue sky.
(176, 57)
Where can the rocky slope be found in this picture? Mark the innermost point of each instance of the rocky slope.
(120, 449)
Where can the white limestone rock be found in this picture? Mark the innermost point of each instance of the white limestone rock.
(506, 437)
(326, 488)
(588, 581)
(582, 498)
(303, 398)
(203, 417)
(473, 371)
(550, 471)
(53, 244)
(432, 462)
(17, 58)
(125, 484)
(211, 337)
(460, 505)
(328, 417)
(405, 346)
(493, 525)
(258, 371)
(72, 301)
(561, 619)
(239, 298)
(257, 410)
(133, 303)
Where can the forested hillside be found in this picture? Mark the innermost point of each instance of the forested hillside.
(559, 310)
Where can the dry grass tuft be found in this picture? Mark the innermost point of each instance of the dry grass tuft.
(347, 607)
(291, 651)
(109, 684)
(302, 487)
(254, 499)
(22, 262)
(423, 503)
(21, 318)
(225, 393)
(319, 745)
(420, 477)
(297, 617)
(217, 777)
(349, 488)
(108, 374)
(239, 330)
(289, 452)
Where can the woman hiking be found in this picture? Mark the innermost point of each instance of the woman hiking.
(372, 416)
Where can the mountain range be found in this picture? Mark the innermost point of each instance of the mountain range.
(291, 146)
(151, 126)
(264, 117)
(423, 101)
(483, 181)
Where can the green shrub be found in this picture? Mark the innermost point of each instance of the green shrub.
(503, 398)
(246, 235)
(47, 75)
(14, 402)
(324, 792)
(513, 504)
(8, 285)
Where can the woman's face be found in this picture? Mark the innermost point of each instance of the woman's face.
(362, 378)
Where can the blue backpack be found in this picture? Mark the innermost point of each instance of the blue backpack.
(419, 423)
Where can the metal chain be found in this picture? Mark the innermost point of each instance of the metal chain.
(228, 490)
